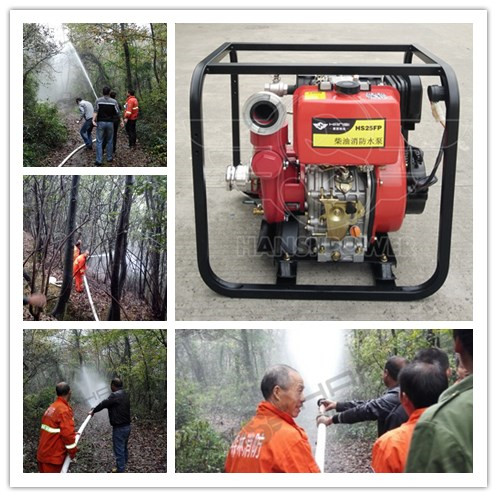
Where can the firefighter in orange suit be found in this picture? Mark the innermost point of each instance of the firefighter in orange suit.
(79, 269)
(421, 384)
(77, 250)
(130, 117)
(57, 434)
(271, 442)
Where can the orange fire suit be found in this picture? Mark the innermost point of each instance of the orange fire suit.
(79, 269)
(391, 449)
(76, 253)
(271, 442)
(131, 111)
(57, 437)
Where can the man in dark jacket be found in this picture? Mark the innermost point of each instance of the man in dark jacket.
(120, 418)
(105, 110)
(386, 410)
(117, 120)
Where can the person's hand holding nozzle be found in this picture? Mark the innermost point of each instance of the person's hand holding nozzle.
(323, 407)
(329, 405)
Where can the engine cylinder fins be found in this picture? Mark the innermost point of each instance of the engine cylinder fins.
(264, 113)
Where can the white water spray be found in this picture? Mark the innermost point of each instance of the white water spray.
(63, 81)
(319, 356)
(78, 58)
(91, 386)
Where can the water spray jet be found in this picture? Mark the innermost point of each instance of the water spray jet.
(78, 58)
(318, 355)
(63, 81)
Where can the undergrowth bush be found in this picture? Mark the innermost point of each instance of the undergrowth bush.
(43, 129)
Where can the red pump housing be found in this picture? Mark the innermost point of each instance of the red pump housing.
(335, 129)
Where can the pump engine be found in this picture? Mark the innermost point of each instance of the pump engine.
(332, 171)
(348, 174)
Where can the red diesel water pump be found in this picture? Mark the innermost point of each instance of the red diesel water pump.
(345, 178)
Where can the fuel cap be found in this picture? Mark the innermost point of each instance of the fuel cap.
(348, 87)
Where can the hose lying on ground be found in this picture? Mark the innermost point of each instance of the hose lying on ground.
(74, 152)
(95, 315)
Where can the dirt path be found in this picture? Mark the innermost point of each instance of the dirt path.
(146, 446)
(350, 455)
(86, 158)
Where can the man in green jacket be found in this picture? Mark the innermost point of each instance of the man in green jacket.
(443, 438)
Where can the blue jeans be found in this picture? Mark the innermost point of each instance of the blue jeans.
(85, 132)
(120, 435)
(105, 133)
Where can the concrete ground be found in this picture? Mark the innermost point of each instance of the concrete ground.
(233, 228)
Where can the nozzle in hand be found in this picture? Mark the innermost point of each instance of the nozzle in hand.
(327, 404)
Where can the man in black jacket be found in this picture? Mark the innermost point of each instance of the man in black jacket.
(386, 410)
(120, 418)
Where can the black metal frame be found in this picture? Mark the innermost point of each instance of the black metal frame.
(382, 290)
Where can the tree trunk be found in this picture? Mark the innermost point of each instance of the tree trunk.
(77, 346)
(127, 59)
(65, 291)
(156, 296)
(141, 281)
(156, 233)
(197, 367)
(148, 386)
(38, 220)
(155, 54)
(124, 265)
(120, 250)
(431, 338)
(394, 336)
(246, 356)
(163, 314)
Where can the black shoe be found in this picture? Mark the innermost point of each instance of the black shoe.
(110, 160)
(98, 163)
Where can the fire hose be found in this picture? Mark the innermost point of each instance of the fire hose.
(321, 439)
(67, 460)
(89, 298)
(73, 153)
